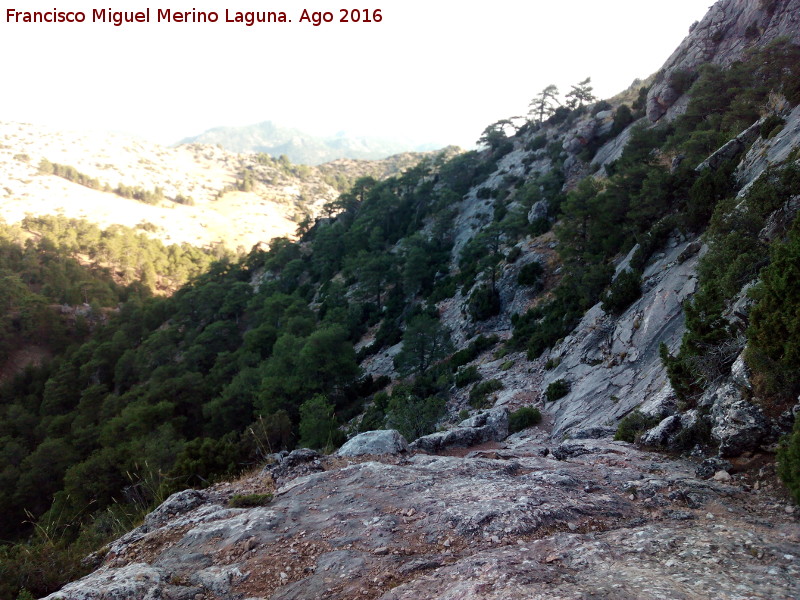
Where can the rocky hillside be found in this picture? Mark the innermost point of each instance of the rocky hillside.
(207, 195)
(506, 340)
(300, 147)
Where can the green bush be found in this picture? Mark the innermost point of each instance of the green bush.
(624, 291)
(681, 80)
(413, 416)
(771, 126)
(531, 274)
(537, 143)
(556, 390)
(552, 363)
(249, 500)
(773, 351)
(466, 376)
(634, 425)
(513, 254)
(318, 426)
(524, 417)
(789, 461)
(471, 352)
(484, 303)
(479, 394)
(538, 227)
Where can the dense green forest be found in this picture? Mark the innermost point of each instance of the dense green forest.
(254, 354)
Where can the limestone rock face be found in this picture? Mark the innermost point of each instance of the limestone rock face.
(770, 151)
(605, 521)
(613, 364)
(385, 441)
(721, 38)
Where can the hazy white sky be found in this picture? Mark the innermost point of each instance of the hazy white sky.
(429, 71)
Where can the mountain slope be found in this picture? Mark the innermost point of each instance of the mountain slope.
(300, 147)
(205, 199)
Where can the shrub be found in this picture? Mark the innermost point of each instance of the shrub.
(318, 426)
(443, 289)
(681, 80)
(413, 416)
(633, 425)
(698, 434)
(471, 352)
(771, 126)
(622, 118)
(522, 418)
(479, 394)
(556, 390)
(537, 143)
(513, 254)
(466, 376)
(600, 107)
(789, 461)
(483, 303)
(773, 351)
(249, 500)
(624, 291)
(531, 274)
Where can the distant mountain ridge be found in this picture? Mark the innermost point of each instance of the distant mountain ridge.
(300, 147)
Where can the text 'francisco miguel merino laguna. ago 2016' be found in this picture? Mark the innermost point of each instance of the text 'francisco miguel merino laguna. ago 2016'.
(161, 15)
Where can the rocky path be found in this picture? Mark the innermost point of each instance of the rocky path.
(590, 519)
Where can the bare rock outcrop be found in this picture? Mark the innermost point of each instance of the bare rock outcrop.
(605, 521)
(613, 364)
(729, 28)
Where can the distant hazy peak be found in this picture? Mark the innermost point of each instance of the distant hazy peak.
(301, 147)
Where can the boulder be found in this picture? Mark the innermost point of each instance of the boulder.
(678, 432)
(737, 425)
(298, 462)
(538, 211)
(486, 426)
(711, 466)
(663, 433)
(384, 441)
(177, 504)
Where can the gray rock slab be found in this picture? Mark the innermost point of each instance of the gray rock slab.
(384, 441)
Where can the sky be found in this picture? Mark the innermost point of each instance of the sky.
(430, 71)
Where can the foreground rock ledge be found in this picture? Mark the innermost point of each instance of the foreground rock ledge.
(607, 521)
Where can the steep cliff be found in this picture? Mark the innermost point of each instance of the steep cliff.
(724, 35)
